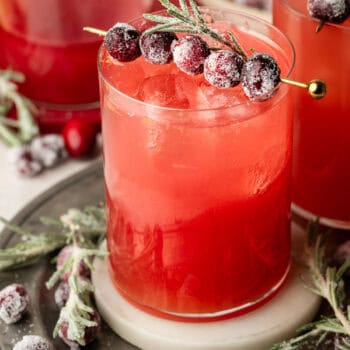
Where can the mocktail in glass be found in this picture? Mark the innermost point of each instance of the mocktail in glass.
(321, 167)
(44, 40)
(197, 182)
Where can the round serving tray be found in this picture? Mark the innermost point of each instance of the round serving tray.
(84, 188)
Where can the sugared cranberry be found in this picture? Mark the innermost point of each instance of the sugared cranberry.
(79, 137)
(63, 256)
(223, 68)
(189, 54)
(260, 76)
(122, 42)
(335, 11)
(24, 162)
(48, 149)
(156, 47)
(13, 303)
(62, 294)
(33, 342)
(90, 333)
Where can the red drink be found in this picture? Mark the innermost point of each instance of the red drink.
(44, 40)
(321, 169)
(197, 183)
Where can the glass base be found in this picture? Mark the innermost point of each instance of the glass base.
(52, 118)
(212, 316)
(324, 221)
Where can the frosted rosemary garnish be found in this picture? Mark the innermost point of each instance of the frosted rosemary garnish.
(181, 21)
(79, 233)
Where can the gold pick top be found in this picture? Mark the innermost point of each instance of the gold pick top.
(316, 87)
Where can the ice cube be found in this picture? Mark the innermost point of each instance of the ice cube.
(162, 90)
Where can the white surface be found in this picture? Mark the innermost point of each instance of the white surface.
(291, 308)
(16, 192)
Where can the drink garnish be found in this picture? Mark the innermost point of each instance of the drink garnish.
(190, 53)
(259, 73)
(156, 47)
(223, 68)
(122, 42)
(333, 11)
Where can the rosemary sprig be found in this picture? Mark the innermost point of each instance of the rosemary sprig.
(188, 19)
(78, 311)
(85, 229)
(33, 246)
(22, 130)
(327, 282)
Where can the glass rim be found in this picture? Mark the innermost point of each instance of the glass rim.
(287, 4)
(275, 99)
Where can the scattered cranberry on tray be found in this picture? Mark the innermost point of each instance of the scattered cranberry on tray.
(79, 137)
(48, 149)
(24, 162)
(90, 333)
(62, 294)
(64, 255)
(33, 342)
(13, 303)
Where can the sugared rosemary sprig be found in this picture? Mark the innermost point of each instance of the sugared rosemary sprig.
(78, 310)
(84, 229)
(188, 19)
(327, 282)
(33, 246)
(24, 128)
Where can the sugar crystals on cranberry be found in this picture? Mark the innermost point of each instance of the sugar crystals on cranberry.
(64, 255)
(156, 47)
(90, 333)
(24, 161)
(335, 11)
(13, 303)
(33, 342)
(189, 54)
(48, 149)
(62, 294)
(122, 42)
(223, 68)
(260, 76)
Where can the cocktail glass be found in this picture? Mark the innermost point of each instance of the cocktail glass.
(321, 169)
(44, 40)
(197, 182)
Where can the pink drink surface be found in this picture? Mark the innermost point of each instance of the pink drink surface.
(321, 167)
(198, 202)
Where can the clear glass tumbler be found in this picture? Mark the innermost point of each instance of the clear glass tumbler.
(197, 182)
(321, 168)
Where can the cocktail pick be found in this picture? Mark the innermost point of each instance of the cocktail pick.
(95, 31)
(316, 87)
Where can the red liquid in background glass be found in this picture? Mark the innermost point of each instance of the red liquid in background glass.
(44, 39)
(198, 216)
(321, 167)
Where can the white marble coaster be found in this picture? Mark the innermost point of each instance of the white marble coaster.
(292, 307)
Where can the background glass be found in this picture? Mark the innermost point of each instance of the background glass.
(321, 167)
(44, 40)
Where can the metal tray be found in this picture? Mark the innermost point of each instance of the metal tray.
(84, 188)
